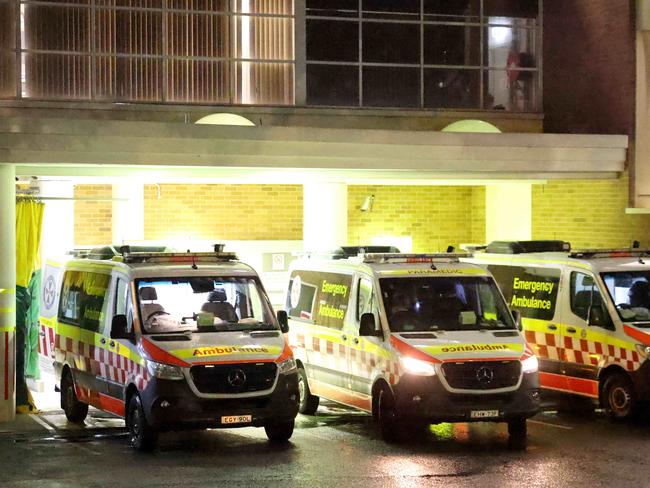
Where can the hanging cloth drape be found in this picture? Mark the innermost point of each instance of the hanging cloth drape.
(29, 218)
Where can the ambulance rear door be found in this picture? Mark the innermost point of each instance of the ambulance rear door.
(49, 307)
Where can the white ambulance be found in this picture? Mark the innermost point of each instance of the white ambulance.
(586, 314)
(412, 338)
(171, 341)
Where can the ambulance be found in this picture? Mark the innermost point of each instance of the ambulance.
(413, 339)
(586, 314)
(171, 341)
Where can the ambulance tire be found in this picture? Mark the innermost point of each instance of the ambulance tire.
(618, 397)
(518, 432)
(308, 402)
(387, 415)
(142, 435)
(75, 411)
(279, 431)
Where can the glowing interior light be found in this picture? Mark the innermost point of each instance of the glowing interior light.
(245, 52)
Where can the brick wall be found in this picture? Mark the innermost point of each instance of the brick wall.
(434, 216)
(93, 219)
(587, 213)
(589, 66)
(223, 212)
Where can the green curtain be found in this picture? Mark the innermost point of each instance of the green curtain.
(29, 219)
(32, 369)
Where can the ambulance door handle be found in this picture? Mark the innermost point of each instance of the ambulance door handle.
(571, 330)
(552, 327)
(344, 337)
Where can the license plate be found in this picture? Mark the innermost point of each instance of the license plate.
(483, 414)
(237, 419)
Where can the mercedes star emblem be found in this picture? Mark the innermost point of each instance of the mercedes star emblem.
(236, 378)
(484, 375)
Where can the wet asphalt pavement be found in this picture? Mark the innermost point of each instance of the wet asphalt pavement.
(336, 448)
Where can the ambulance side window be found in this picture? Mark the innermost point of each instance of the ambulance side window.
(531, 290)
(585, 295)
(84, 299)
(123, 302)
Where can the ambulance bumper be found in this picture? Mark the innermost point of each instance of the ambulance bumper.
(171, 405)
(425, 398)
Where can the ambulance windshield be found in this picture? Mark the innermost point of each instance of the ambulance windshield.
(630, 291)
(444, 303)
(203, 304)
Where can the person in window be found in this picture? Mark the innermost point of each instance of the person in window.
(639, 298)
(447, 307)
(402, 316)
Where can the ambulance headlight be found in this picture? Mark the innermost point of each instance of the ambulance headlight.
(164, 371)
(530, 365)
(643, 350)
(287, 366)
(417, 366)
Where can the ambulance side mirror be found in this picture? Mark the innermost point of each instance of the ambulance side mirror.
(283, 320)
(119, 329)
(598, 318)
(367, 326)
(516, 314)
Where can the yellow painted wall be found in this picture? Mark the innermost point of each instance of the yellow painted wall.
(223, 212)
(92, 219)
(587, 213)
(434, 216)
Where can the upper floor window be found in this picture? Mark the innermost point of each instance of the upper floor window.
(423, 53)
(189, 51)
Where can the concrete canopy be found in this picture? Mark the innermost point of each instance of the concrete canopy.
(61, 147)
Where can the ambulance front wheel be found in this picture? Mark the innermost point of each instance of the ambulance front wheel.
(75, 411)
(143, 436)
(308, 402)
(386, 415)
(518, 432)
(279, 431)
(619, 397)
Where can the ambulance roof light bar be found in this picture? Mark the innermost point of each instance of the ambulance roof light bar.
(178, 257)
(609, 253)
(394, 258)
(523, 247)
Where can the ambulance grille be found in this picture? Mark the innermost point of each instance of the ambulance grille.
(233, 378)
(482, 375)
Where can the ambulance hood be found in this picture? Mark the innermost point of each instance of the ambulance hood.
(442, 346)
(214, 347)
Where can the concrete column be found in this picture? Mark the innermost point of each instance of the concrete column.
(7, 292)
(57, 235)
(640, 181)
(128, 212)
(325, 216)
(508, 212)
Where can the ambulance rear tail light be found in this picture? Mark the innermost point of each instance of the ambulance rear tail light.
(386, 258)
(610, 253)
